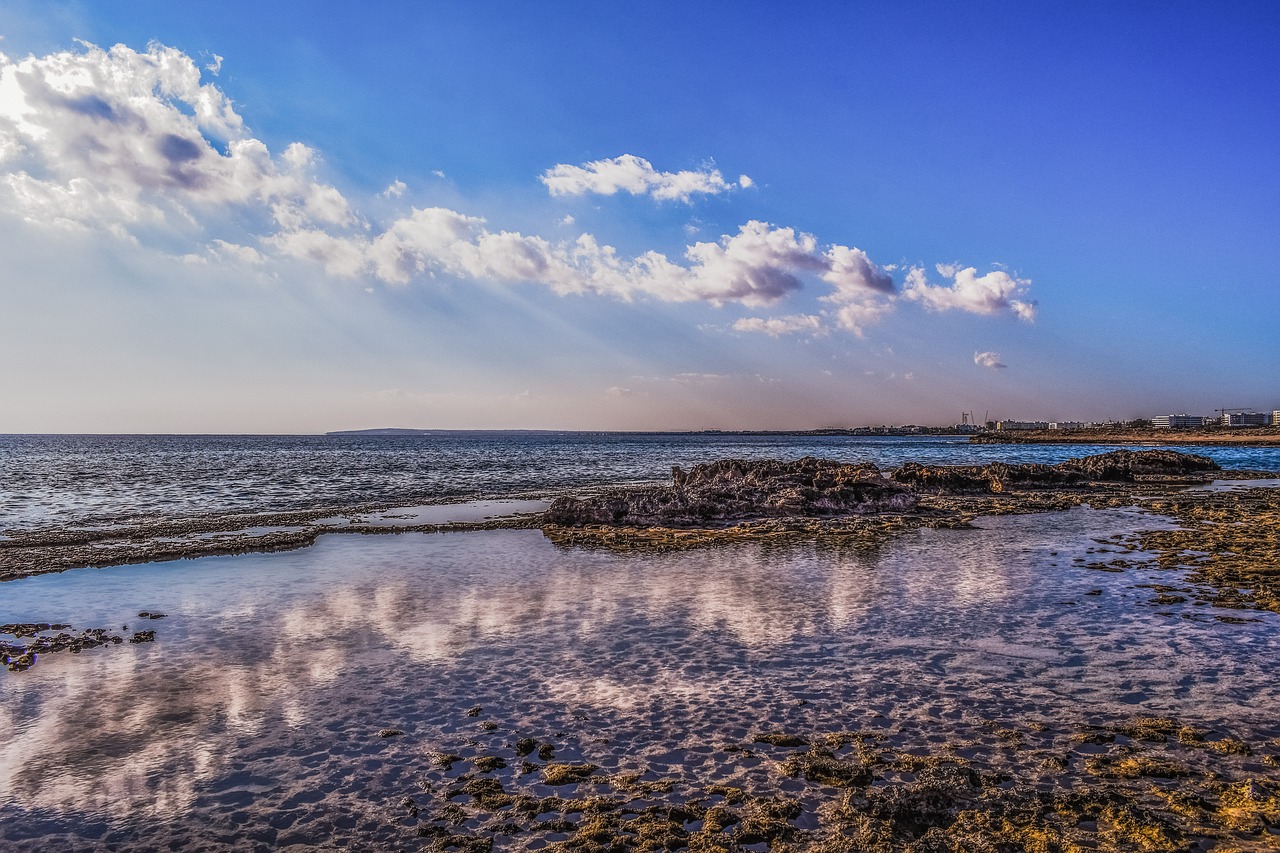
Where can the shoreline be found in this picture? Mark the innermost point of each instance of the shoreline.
(1241, 567)
(1000, 687)
(1259, 437)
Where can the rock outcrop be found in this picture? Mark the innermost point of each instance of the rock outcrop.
(1127, 465)
(994, 477)
(720, 493)
(734, 489)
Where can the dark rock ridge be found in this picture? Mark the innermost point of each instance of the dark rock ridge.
(735, 489)
(1128, 465)
(993, 477)
(732, 490)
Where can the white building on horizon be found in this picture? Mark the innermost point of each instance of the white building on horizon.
(1243, 419)
(1182, 421)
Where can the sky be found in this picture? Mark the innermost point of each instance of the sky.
(295, 217)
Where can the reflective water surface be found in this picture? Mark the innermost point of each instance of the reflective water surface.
(254, 718)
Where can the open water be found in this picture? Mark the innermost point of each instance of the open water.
(71, 481)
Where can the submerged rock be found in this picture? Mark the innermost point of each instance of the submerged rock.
(735, 489)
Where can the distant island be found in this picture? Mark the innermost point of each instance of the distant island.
(1109, 434)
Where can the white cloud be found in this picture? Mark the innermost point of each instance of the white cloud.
(997, 292)
(759, 265)
(243, 254)
(214, 66)
(777, 326)
(745, 182)
(567, 219)
(637, 176)
(134, 143)
(989, 359)
(118, 139)
(857, 316)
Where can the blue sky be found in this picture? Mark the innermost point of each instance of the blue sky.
(489, 215)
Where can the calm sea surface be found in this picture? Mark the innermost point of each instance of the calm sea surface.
(81, 480)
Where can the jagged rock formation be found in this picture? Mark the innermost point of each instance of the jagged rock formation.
(1125, 465)
(995, 477)
(734, 489)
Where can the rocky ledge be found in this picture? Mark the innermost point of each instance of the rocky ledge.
(737, 490)
(731, 491)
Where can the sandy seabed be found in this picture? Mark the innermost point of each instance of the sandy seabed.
(988, 689)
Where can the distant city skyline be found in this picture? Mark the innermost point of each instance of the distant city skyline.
(304, 217)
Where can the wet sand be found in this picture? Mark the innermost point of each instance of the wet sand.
(939, 689)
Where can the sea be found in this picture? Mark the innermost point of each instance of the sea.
(74, 481)
(393, 692)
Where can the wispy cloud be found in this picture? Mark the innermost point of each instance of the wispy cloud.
(989, 359)
(637, 176)
(778, 326)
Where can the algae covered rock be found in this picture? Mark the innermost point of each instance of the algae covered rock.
(735, 489)
(995, 477)
(1126, 465)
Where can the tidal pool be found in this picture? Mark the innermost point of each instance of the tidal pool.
(308, 697)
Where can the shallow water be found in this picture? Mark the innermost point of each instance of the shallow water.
(254, 717)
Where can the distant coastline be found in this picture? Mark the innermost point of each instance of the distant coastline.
(907, 430)
(1249, 437)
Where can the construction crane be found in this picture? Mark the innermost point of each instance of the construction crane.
(1224, 414)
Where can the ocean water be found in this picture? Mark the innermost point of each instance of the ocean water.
(75, 481)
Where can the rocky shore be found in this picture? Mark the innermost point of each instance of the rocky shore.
(1152, 784)
(718, 493)
(1229, 538)
(26, 554)
(767, 500)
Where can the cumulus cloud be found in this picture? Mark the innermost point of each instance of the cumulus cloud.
(759, 265)
(118, 138)
(637, 176)
(997, 292)
(776, 327)
(989, 359)
(135, 143)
